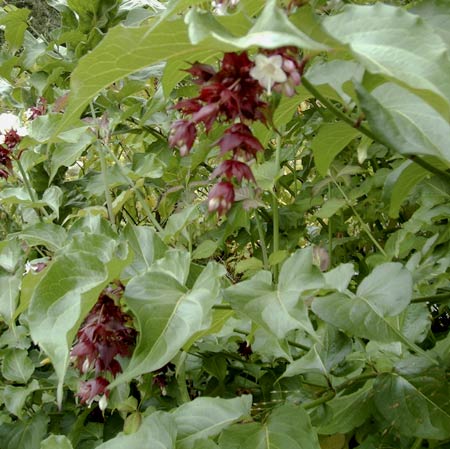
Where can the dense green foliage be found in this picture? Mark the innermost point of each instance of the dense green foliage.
(310, 313)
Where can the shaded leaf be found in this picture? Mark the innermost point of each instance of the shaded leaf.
(17, 366)
(207, 417)
(288, 427)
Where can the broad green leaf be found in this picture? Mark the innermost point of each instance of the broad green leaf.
(168, 315)
(323, 356)
(175, 263)
(288, 427)
(14, 398)
(345, 413)
(207, 417)
(204, 250)
(15, 23)
(339, 278)
(388, 288)
(331, 207)
(122, 52)
(48, 234)
(266, 174)
(404, 122)
(146, 247)
(338, 75)
(178, 221)
(157, 431)
(437, 14)
(25, 433)
(272, 29)
(278, 309)
(356, 316)
(421, 410)
(17, 366)
(330, 140)
(65, 154)
(392, 42)
(9, 295)
(10, 252)
(56, 442)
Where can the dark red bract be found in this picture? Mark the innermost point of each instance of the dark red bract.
(91, 389)
(221, 197)
(182, 135)
(233, 169)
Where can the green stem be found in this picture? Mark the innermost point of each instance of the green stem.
(30, 190)
(262, 242)
(431, 168)
(364, 225)
(432, 299)
(325, 398)
(417, 443)
(108, 196)
(336, 111)
(275, 211)
(181, 379)
(290, 342)
(330, 232)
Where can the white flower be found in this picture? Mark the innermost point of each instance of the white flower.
(268, 71)
(8, 122)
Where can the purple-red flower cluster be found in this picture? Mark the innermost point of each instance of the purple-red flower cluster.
(232, 95)
(105, 334)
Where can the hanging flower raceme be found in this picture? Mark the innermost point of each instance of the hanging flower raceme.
(105, 334)
(11, 133)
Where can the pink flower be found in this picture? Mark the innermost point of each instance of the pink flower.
(182, 135)
(221, 198)
(241, 141)
(231, 168)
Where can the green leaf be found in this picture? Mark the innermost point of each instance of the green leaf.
(56, 442)
(122, 52)
(204, 250)
(25, 433)
(14, 398)
(392, 42)
(9, 295)
(339, 278)
(331, 207)
(422, 411)
(330, 140)
(10, 252)
(15, 23)
(207, 417)
(278, 309)
(324, 356)
(175, 263)
(404, 122)
(288, 427)
(272, 29)
(146, 247)
(388, 288)
(157, 431)
(337, 74)
(178, 221)
(345, 413)
(266, 174)
(17, 366)
(48, 234)
(437, 15)
(168, 315)
(65, 154)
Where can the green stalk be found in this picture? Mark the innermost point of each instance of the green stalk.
(30, 190)
(108, 196)
(417, 443)
(275, 210)
(364, 225)
(262, 241)
(181, 379)
(433, 298)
